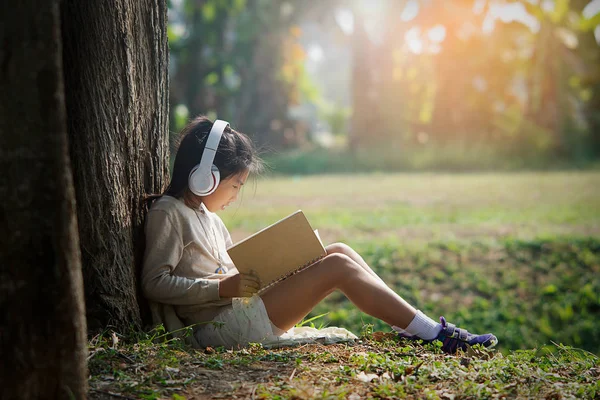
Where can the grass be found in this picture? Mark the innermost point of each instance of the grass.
(513, 253)
(424, 206)
(377, 366)
(517, 254)
(527, 292)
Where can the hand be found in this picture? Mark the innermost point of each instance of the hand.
(239, 285)
(250, 284)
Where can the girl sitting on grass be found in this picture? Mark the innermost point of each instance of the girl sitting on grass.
(190, 279)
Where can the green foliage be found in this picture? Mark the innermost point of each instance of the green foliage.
(510, 103)
(227, 54)
(511, 92)
(429, 157)
(182, 117)
(529, 293)
(588, 24)
(336, 116)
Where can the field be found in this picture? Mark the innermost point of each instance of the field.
(517, 254)
(409, 208)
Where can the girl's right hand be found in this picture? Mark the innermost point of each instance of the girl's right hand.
(240, 285)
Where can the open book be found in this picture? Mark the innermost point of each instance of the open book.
(278, 250)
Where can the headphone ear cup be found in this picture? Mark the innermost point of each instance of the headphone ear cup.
(215, 175)
(197, 182)
(201, 184)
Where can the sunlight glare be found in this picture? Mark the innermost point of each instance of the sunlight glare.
(591, 9)
(488, 24)
(315, 52)
(478, 6)
(413, 40)
(181, 111)
(345, 20)
(548, 5)
(178, 29)
(437, 33)
(411, 10)
(509, 13)
(568, 37)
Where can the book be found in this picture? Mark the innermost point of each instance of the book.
(279, 250)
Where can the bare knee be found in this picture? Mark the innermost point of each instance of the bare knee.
(341, 268)
(339, 248)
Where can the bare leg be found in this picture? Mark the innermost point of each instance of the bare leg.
(350, 252)
(291, 300)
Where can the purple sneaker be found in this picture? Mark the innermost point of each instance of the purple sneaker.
(454, 338)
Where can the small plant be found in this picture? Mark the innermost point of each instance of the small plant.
(311, 320)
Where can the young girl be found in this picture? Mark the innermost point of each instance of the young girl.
(190, 280)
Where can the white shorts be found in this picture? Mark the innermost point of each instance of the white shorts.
(245, 321)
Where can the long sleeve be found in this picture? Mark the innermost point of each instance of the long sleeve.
(225, 233)
(164, 249)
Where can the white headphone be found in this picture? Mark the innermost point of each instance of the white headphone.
(205, 176)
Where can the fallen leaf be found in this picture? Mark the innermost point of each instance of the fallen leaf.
(445, 394)
(366, 377)
(385, 375)
(412, 368)
(115, 340)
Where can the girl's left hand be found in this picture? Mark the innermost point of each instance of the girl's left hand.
(239, 285)
(249, 284)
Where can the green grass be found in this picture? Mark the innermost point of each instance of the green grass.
(461, 155)
(528, 293)
(426, 206)
(517, 254)
(377, 366)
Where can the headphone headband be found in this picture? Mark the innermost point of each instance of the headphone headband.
(212, 143)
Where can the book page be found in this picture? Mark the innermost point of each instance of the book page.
(318, 236)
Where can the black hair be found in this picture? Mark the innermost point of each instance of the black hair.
(235, 154)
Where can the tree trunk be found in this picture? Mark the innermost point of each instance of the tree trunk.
(42, 323)
(115, 59)
(365, 112)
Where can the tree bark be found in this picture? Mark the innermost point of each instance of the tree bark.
(42, 322)
(115, 60)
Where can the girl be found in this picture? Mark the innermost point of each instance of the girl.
(190, 280)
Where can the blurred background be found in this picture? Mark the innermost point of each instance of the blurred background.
(394, 84)
(454, 144)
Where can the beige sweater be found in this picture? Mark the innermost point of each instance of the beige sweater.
(180, 276)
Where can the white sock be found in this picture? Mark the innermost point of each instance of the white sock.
(421, 326)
